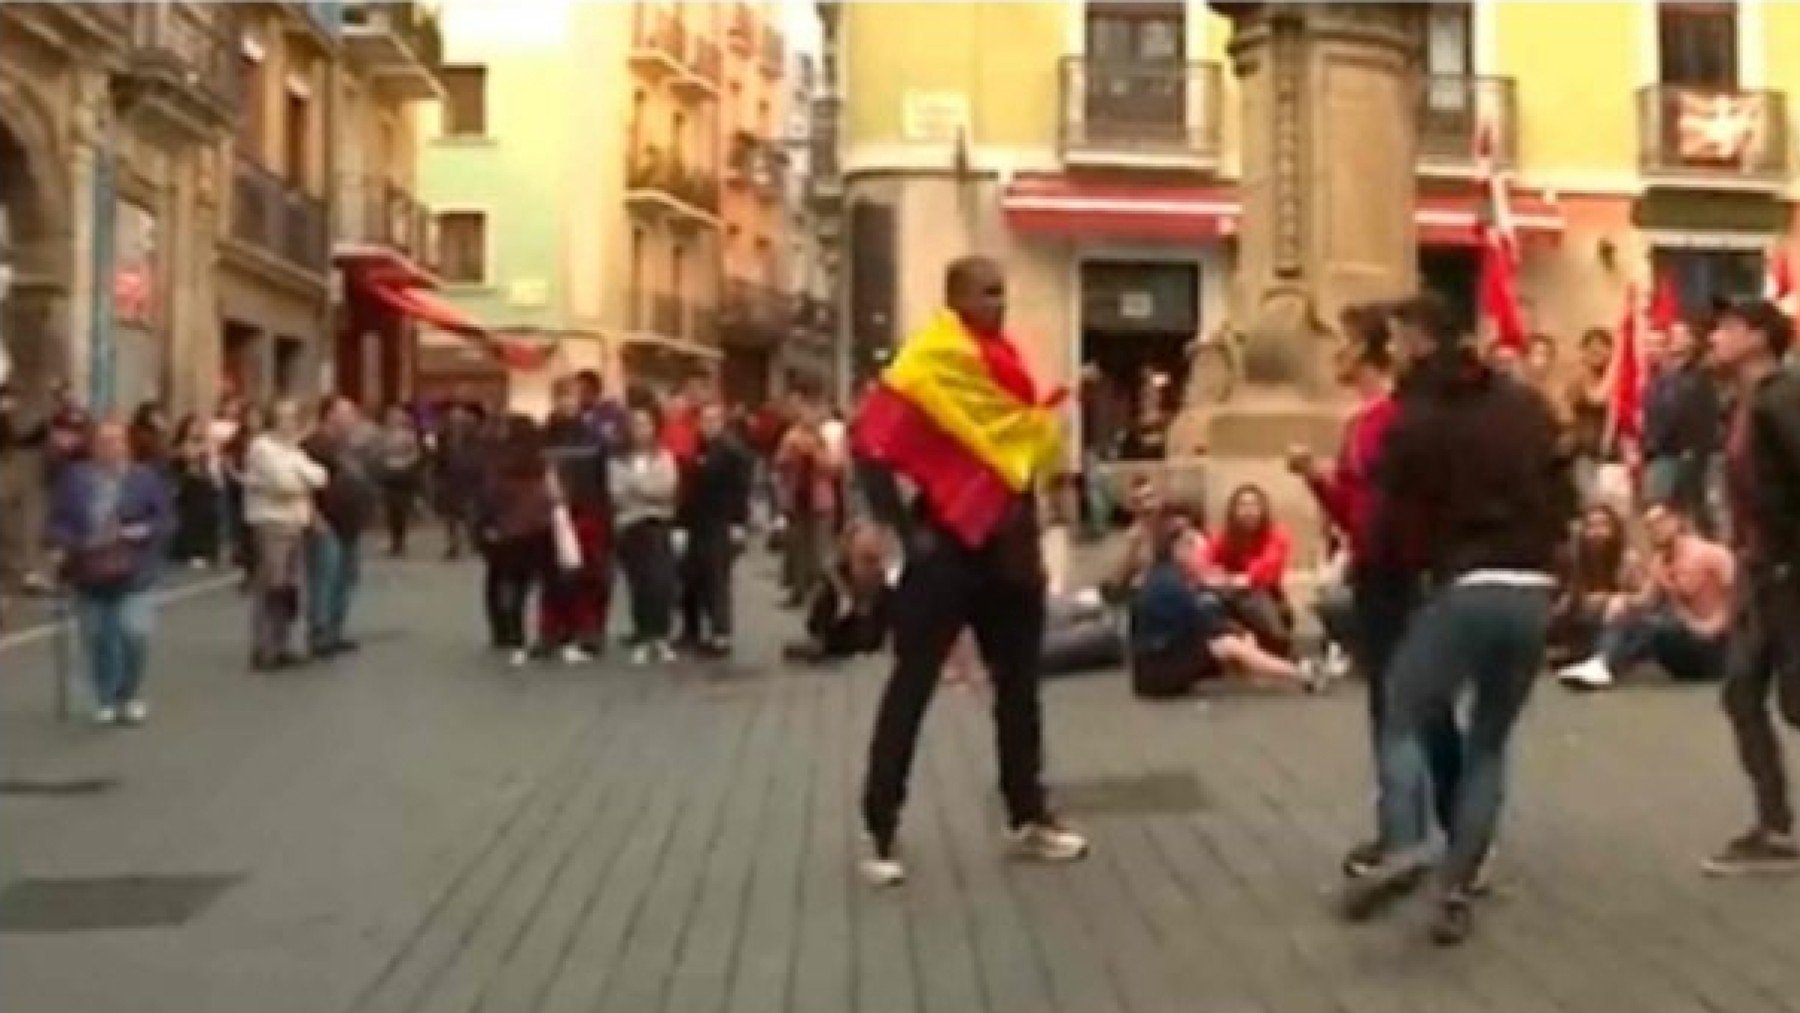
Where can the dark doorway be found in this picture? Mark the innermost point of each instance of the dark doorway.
(290, 354)
(1454, 273)
(238, 368)
(1137, 322)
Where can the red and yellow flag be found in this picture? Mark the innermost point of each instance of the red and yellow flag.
(960, 418)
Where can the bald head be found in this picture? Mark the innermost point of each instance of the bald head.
(975, 288)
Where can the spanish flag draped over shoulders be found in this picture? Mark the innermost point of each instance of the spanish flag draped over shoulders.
(960, 417)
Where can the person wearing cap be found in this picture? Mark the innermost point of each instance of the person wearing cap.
(1762, 492)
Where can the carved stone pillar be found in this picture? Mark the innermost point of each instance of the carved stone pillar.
(1330, 94)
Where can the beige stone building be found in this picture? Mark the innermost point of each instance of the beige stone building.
(111, 120)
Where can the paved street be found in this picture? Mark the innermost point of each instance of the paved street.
(420, 829)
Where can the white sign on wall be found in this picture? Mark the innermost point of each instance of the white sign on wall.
(933, 115)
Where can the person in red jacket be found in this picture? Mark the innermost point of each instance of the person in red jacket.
(1247, 563)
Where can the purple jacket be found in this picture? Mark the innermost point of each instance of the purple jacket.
(143, 512)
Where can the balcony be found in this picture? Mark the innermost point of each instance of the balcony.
(182, 79)
(1452, 111)
(1147, 115)
(658, 43)
(773, 59)
(740, 32)
(399, 45)
(1713, 139)
(754, 315)
(660, 186)
(74, 28)
(277, 220)
(375, 211)
(701, 69)
(758, 164)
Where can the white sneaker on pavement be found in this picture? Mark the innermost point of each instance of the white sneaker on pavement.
(1047, 841)
(519, 658)
(135, 712)
(663, 652)
(878, 869)
(1589, 674)
(105, 716)
(640, 655)
(574, 655)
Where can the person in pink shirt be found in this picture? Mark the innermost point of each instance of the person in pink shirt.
(1680, 617)
(1247, 562)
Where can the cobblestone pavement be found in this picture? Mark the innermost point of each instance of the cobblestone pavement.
(418, 828)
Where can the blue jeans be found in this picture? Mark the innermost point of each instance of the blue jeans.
(1490, 636)
(115, 636)
(1383, 606)
(1658, 634)
(333, 567)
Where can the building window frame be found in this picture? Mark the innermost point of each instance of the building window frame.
(451, 126)
(486, 216)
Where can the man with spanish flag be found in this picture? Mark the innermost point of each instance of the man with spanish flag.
(958, 417)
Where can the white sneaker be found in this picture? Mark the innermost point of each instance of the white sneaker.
(105, 716)
(1589, 674)
(135, 712)
(574, 655)
(663, 652)
(519, 658)
(1047, 841)
(881, 870)
(640, 655)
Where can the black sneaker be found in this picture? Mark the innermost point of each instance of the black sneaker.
(1362, 860)
(1758, 851)
(1388, 881)
(1455, 917)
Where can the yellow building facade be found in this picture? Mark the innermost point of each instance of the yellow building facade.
(604, 177)
(1094, 148)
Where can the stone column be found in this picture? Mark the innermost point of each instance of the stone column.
(87, 133)
(1330, 98)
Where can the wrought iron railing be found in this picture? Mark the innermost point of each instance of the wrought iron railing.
(1163, 109)
(268, 213)
(1453, 112)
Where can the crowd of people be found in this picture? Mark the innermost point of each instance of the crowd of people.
(655, 491)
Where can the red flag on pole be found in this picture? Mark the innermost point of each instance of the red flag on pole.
(1665, 304)
(1499, 247)
(1625, 413)
(1778, 279)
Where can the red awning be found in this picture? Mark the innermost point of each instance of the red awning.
(1080, 209)
(428, 307)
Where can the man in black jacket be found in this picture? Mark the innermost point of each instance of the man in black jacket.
(1762, 485)
(1681, 427)
(1471, 475)
(333, 546)
(715, 505)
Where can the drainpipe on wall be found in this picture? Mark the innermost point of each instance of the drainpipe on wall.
(101, 356)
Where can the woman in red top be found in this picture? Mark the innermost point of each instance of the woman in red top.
(1248, 562)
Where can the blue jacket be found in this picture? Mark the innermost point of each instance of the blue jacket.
(143, 501)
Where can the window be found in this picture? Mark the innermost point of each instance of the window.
(465, 101)
(250, 124)
(1702, 276)
(1449, 40)
(1697, 43)
(1134, 81)
(462, 247)
(297, 114)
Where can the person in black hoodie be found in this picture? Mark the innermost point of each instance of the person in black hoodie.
(1762, 487)
(333, 546)
(1681, 426)
(1472, 476)
(714, 507)
(572, 610)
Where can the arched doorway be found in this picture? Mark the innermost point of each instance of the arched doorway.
(33, 210)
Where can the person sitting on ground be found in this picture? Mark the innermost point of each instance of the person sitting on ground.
(1679, 618)
(851, 610)
(1248, 562)
(1598, 569)
(1151, 515)
(1182, 635)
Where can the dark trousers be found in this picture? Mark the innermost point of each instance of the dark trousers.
(1764, 658)
(706, 584)
(945, 588)
(649, 564)
(1383, 604)
(514, 567)
(397, 502)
